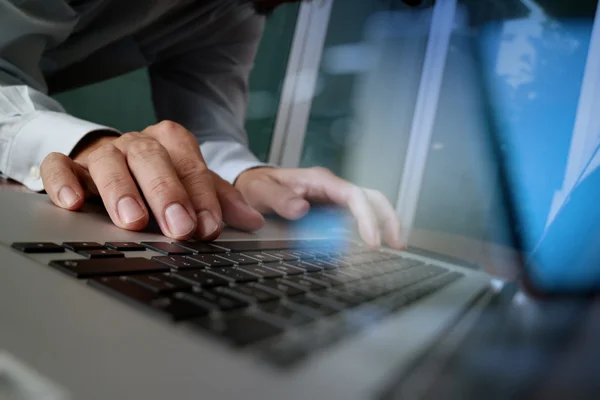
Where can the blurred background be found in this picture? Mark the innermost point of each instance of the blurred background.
(356, 86)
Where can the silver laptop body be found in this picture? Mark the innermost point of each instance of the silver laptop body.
(62, 338)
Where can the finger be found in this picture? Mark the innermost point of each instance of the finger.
(360, 207)
(320, 185)
(267, 195)
(153, 170)
(121, 198)
(387, 217)
(193, 173)
(236, 212)
(60, 177)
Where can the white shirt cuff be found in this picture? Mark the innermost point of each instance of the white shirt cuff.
(229, 159)
(47, 132)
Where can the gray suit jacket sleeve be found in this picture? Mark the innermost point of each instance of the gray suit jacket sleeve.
(203, 85)
(32, 125)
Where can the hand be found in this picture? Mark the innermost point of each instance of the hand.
(165, 163)
(288, 192)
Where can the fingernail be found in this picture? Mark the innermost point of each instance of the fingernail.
(129, 210)
(373, 238)
(398, 243)
(67, 197)
(208, 223)
(179, 220)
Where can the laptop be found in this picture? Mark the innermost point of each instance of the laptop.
(90, 311)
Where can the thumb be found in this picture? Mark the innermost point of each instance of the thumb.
(236, 212)
(268, 195)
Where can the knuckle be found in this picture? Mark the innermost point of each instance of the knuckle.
(167, 125)
(126, 137)
(162, 186)
(54, 158)
(356, 192)
(144, 148)
(102, 153)
(378, 196)
(321, 172)
(51, 164)
(115, 182)
(189, 167)
(201, 185)
(168, 128)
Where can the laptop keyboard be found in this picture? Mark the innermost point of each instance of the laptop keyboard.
(285, 299)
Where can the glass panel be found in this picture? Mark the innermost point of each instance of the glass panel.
(266, 81)
(104, 102)
(519, 65)
(362, 111)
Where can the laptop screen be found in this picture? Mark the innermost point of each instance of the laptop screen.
(541, 74)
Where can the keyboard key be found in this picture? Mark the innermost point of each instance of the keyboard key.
(342, 275)
(313, 306)
(125, 246)
(240, 331)
(321, 280)
(277, 288)
(166, 248)
(338, 262)
(211, 260)
(112, 266)
(79, 246)
(179, 262)
(38, 247)
(317, 253)
(212, 300)
(416, 292)
(321, 264)
(281, 255)
(259, 245)
(247, 293)
(233, 274)
(304, 284)
(360, 272)
(288, 316)
(305, 266)
(405, 263)
(105, 253)
(260, 256)
(325, 298)
(262, 271)
(331, 279)
(160, 283)
(202, 278)
(238, 258)
(172, 308)
(347, 297)
(285, 269)
(300, 254)
(200, 247)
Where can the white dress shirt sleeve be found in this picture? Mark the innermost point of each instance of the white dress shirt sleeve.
(32, 125)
